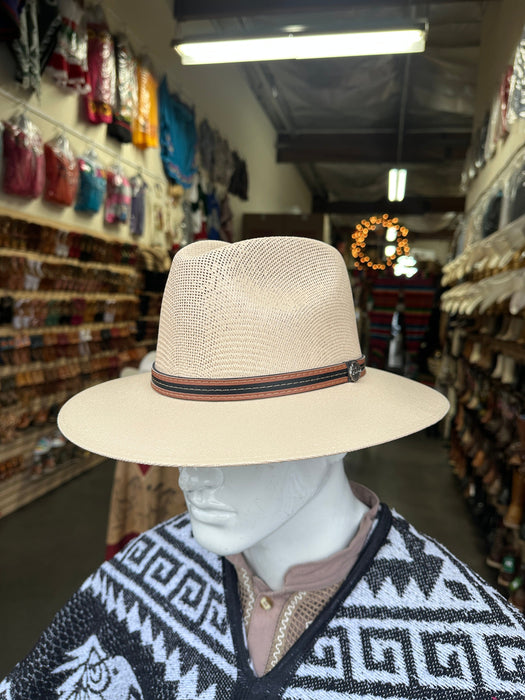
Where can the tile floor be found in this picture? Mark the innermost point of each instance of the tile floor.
(51, 545)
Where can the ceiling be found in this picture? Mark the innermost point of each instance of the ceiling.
(345, 121)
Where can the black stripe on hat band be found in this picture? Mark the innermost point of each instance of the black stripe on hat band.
(257, 387)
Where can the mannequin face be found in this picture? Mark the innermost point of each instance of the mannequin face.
(234, 508)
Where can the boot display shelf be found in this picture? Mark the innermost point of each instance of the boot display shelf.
(483, 368)
(74, 311)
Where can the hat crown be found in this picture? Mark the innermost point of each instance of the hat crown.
(257, 307)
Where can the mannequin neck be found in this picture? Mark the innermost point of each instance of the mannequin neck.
(322, 527)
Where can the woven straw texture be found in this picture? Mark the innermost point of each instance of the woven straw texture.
(261, 306)
(256, 309)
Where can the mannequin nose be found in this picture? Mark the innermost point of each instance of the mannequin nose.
(197, 478)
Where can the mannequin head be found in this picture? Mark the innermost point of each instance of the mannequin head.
(234, 508)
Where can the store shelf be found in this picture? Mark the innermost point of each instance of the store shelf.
(504, 347)
(9, 370)
(121, 269)
(110, 345)
(21, 489)
(53, 223)
(62, 294)
(6, 330)
(26, 442)
(149, 318)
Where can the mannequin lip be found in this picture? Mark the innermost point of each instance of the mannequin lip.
(213, 514)
(206, 507)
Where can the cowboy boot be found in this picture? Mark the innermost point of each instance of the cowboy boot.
(498, 369)
(514, 514)
(489, 411)
(491, 474)
(479, 458)
(475, 355)
(460, 418)
(475, 404)
(508, 375)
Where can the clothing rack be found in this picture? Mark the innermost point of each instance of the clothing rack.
(141, 48)
(77, 134)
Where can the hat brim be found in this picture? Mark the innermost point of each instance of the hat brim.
(125, 419)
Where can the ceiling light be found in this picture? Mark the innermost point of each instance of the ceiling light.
(397, 180)
(407, 260)
(390, 250)
(302, 46)
(295, 28)
(391, 234)
(405, 265)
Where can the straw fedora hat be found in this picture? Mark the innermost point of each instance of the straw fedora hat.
(258, 360)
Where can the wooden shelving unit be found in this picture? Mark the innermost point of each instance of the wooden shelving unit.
(23, 485)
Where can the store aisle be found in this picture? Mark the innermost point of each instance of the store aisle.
(46, 551)
(413, 476)
(51, 545)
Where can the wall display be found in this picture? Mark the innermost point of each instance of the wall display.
(145, 128)
(400, 316)
(74, 310)
(239, 180)
(92, 184)
(61, 171)
(508, 107)
(516, 98)
(138, 205)
(178, 136)
(100, 101)
(126, 96)
(23, 155)
(68, 65)
(483, 371)
(118, 196)
(223, 161)
(39, 23)
(226, 220)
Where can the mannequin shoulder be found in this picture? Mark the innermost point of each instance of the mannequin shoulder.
(415, 576)
(169, 541)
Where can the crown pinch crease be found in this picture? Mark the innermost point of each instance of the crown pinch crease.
(244, 388)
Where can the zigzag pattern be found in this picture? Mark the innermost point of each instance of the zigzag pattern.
(157, 593)
(418, 624)
(5, 690)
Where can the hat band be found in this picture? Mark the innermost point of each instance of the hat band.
(244, 388)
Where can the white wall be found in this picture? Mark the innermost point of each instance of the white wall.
(219, 93)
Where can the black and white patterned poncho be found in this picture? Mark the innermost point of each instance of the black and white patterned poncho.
(162, 620)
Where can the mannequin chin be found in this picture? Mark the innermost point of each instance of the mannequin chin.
(276, 514)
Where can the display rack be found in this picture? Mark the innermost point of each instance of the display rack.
(73, 313)
(483, 369)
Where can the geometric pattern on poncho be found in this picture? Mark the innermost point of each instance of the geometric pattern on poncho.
(419, 624)
(162, 620)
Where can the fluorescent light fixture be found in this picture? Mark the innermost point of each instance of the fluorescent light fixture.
(397, 180)
(390, 250)
(391, 234)
(302, 46)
